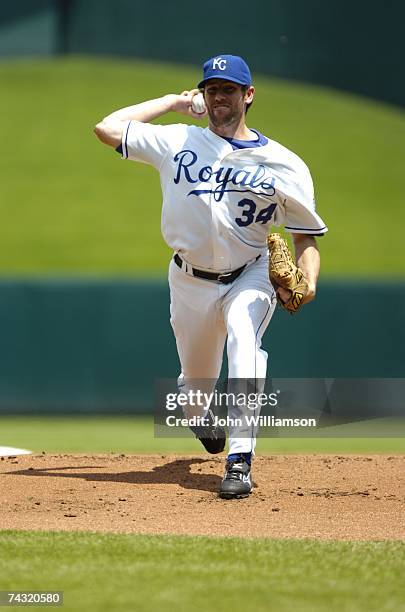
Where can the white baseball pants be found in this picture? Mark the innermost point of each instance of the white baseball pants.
(205, 313)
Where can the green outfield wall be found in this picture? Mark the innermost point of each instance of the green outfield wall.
(99, 346)
(357, 46)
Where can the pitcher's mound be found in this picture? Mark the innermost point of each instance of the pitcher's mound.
(295, 496)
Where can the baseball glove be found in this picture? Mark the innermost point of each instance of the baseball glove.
(284, 273)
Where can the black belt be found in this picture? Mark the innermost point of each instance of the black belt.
(225, 278)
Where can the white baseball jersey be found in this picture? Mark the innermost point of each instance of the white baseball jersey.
(219, 203)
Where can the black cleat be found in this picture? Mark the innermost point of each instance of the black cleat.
(212, 437)
(237, 481)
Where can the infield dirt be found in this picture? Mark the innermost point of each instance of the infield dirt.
(295, 496)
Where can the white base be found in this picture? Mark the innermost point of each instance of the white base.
(9, 451)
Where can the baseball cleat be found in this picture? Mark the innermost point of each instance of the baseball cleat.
(237, 481)
(212, 437)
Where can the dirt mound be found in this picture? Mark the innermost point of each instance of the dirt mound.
(310, 496)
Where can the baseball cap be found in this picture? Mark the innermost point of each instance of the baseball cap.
(227, 67)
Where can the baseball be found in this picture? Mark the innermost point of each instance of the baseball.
(198, 104)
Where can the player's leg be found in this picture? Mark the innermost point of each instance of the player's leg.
(248, 308)
(247, 314)
(198, 324)
(200, 334)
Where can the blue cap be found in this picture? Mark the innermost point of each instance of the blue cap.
(227, 67)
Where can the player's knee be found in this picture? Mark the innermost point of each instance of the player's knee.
(241, 346)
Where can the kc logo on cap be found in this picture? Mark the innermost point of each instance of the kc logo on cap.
(219, 62)
(226, 67)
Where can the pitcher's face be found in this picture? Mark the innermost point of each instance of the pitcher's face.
(226, 101)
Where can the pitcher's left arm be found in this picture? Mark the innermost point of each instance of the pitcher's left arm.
(308, 260)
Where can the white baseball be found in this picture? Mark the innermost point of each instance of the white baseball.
(198, 104)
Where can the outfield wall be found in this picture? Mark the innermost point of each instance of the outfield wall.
(356, 46)
(99, 346)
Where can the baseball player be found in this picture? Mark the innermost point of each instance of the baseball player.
(223, 188)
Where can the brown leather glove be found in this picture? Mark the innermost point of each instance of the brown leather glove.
(283, 272)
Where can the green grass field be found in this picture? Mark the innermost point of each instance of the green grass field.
(136, 435)
(70, 205)
(184, 574)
